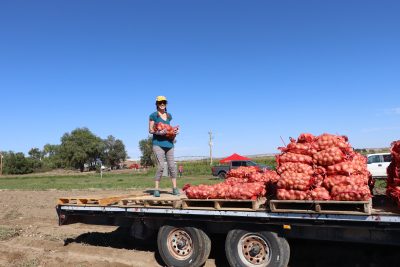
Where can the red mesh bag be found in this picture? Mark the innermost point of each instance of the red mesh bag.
(265, 177)
(295, 167)
(236, 180)
(243, 172)
(199, 192)
(284, 194)
(395, 151)
(394, 193)
(393, 172)
(273, 176)
(351, 192)
(316, 180)
(306, 138)
(319, 193)
(356, 164)
(334, 180)
(226, 190)
(292, 157)
(329, 156)
(170, 129)
(325, 141)
(299, 148)
(246, 191)
(295, 181)
(252, 174)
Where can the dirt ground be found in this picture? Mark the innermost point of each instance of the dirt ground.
(30, 236)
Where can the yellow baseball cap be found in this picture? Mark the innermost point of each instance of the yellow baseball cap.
(161, 98)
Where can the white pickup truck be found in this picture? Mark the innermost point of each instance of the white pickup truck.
(378, 163)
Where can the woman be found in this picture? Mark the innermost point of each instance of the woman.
(163, 147)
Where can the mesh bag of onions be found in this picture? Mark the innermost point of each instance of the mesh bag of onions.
(393, 173)
(170, 129)
(322, 167)
(241, 183)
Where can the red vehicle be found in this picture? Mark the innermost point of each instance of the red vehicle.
(134, 166)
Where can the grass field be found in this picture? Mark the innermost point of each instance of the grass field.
(86, 181)
(109, 181)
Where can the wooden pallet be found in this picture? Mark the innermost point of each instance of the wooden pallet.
(324, 207)
(78, 201)
(152, 202)
(95, 201)
(224, 204)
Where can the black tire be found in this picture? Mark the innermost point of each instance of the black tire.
(261, 249)
(285, 252)
(196, 245)
(222, 175)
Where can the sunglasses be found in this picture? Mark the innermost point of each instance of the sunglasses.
(163, 102)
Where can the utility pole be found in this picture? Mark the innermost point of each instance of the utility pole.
(210, 143)
(1, 164)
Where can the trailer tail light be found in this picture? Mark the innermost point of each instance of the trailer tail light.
(287, 227)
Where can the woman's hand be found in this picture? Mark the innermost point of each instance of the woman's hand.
(161, 132)
(176, 130)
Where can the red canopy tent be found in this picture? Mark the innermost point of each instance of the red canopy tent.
(234, 156)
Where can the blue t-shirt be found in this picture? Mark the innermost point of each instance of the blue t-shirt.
(161, 140)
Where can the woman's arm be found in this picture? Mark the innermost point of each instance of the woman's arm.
(151, 126)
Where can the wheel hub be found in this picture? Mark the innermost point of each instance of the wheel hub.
(180, 244)
(254, 250)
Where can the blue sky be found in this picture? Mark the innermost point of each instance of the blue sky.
(249, 71)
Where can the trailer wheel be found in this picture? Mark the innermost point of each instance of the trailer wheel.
(183, 246)
(256, 249)
(285, 252)
(222, 175)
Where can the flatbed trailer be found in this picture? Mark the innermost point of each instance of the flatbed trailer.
(255, 236)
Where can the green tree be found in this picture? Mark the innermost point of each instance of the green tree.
(114, 151)
(146, 147)
(35, 157)
(16, 163)
(81, 146)
(52, 157)
(35, 153)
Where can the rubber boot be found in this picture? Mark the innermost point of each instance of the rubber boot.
(156, 193)
(175, 191)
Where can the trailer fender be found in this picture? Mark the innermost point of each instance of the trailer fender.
(143, 230)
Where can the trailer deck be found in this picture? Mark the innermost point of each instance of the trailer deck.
(254, 221)
(380, 211)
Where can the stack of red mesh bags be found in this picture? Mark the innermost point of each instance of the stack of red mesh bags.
(322, 167)
(241, 183)
(393, 173)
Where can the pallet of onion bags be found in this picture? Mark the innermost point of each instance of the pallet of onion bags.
(322, 174)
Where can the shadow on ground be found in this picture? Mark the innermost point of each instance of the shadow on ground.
(303, 253)
(119, 239)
